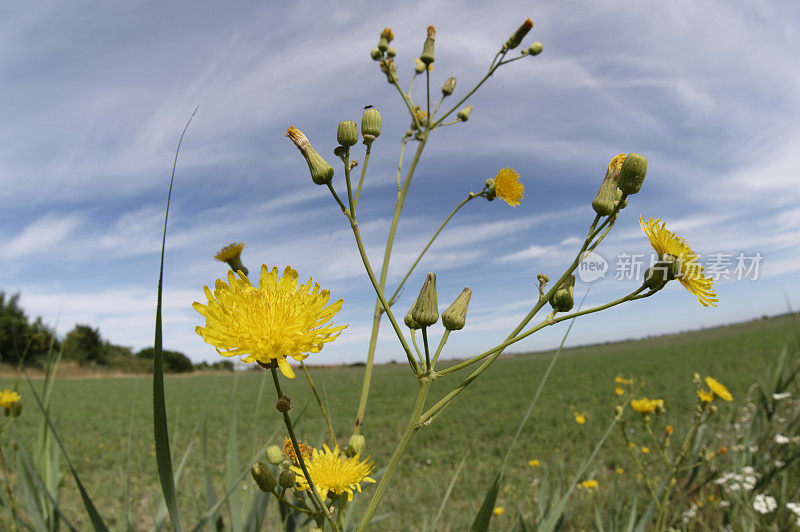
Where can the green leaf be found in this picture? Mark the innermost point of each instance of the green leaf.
(484, 515)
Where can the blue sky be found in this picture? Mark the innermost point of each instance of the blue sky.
(95, 94)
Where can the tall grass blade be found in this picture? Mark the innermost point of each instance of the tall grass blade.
(484, 515)
(160, 429)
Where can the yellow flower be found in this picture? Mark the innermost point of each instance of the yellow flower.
(507, 186)
(580, 419)
(498, 510)
(275, 320)
(705, 397)
(533, 463)
(645, 405)
(231, 251)
(619, 391)
(690, 273)
(668, 430)
(620, 471)
(645, 449)
(288, 451)
(718, 389)
(8, 398)
(334, 473)
(625, 382)
(631, 444)
(589, 484)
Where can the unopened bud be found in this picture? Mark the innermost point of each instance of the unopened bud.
(347, 133)
(427, 48)
(371, 123)
(263, 476)
(375, 54)
(355, 445)
(455, 316)
(409, 321)
(517, 36)
(274, 455)
(390, 69)
(419, 66)
(463, 114)
(448, 87)
(321, 171)
(286, 464)
(386, 38)
(284, 404)
(632, 173)
(712, 409)
(491, 189)
(535, 49)
(564, 298)
(606, 199)
(697, 379)
(426, 309)
(286, 479)
(543, 278)
(657, 276)
(391, 52)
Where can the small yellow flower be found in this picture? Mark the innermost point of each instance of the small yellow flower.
(580, 419)
(9, 398)
(498, 510)
(619, 391)
(229, 252)
(645, 405)
(334, 473)
(620, 471)
(690, 272)
(533, 463)
(705, 397)
(624, 382)
(590, 484)
(631, 444)
(668, 430)
(288, 451)
(718, 389)
(645, 449)
(278, 319)
(507, 186)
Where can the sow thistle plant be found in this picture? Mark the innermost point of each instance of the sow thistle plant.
(281, 320)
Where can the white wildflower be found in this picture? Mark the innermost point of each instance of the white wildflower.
(724, 504)
(780, 439)
(779, 396)
(779, 463)
(793, 507)
(689, 513)
(764, 504)
(753, 448)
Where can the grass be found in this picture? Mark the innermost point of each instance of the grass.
(93, 418)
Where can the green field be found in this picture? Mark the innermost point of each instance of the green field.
(93, 417)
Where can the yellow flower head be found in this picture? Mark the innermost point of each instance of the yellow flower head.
(619, 391)
(645, 405)
(334, 473)
(498, 510)
(580, 419)
(9, 398)
(288, 451)
(718, 389)
(590, 484)
(533, 463)
(645, 449)
(620, 471)
(275, 320)
(507, 186)
(705, 397)
(625, 382)
(690, 273)
(231, 251)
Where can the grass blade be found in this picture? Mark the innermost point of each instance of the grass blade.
(484, 515)
(160, 429)
(449, 491)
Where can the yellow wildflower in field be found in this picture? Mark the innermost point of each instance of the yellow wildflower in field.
(718, 389)
(624, 382)
(580, 419)
(705, 397)
(619, 391)
(334, 473)
(288, 450)
(8, 398)
(275, 320)
(590, 484)
(507, 186)
(690, 272)
(231, 251)
(620, 471)
(498, 510)
(645, 405)
(533, 463)
(645, 449)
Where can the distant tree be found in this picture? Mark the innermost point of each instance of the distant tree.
(174, 361)
(18, 337)
(84, 345)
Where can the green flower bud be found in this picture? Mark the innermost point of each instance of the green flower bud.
(426, 309)
(284, 404)
(347, 133)
(631, 175)
(463, 114)
(263, 476)
(607, 198)
(274, 455)
(563, 299)
(286, 464)
(409, 321)
(286, 479)
(448, 87)
(491, 189)
(375, 54)
(618, 197)
(659, 274)
(391, 52)
(520, 34)
(321, 171)
(455, 316)
(419, 66)
(371, 123)
(355, 445)
(535, 48)
(427, 48)
(390, 69)
(386, 38)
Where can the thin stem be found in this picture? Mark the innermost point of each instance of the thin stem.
(320, 505)
(658, 447)
(405, 439)
(642, 470)
(400, 162)
(439, 349)
(492, 68)
(436, 110)
(336, 197)
(406, 98)
(290, 505)
(427, 351)
(416, 347)
(393, 298)
(428, 96)
(507, 61)
(332, 440)
(363, 173)
(350, 199)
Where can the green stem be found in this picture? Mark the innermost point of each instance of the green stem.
(405, 439)
(336, 197)
(492, 68)
(427, 351)
(407, 100)
(363, 173)
(439, 349)
(350, 199)
(428, 96)
(658, 446)
(416, 347)
(642, 470)
(332, 440)
(318, 503)
(401, 194)
(290, 505)
(396, 293)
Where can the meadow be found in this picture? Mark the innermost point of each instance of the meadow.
(106, 426)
